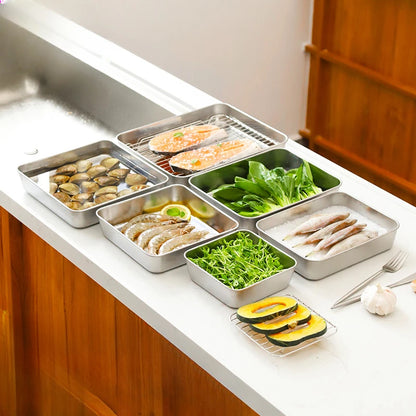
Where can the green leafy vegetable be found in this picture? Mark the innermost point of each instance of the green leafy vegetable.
(239, 262)
(266, 190)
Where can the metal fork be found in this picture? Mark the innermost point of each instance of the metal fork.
(400, 282)
(393, 265)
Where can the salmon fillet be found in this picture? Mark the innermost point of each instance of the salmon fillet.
(176, 141)
(205, 157)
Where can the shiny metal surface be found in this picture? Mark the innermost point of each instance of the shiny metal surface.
(29, 174)
(239, 297)
(32, 67)
(236, 123)
(318, 269)
(204, 183)
(112, 217)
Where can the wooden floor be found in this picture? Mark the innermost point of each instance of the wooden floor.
(69, 348)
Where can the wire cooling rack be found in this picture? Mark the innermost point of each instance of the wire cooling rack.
(277, 351)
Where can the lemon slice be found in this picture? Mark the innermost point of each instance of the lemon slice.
(155, 203)
(201, 209)
(177, 210)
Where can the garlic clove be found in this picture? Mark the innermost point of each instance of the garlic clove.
(413, 285)
(379, 300)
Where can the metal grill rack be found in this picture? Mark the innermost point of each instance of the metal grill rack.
(235, 130)
(275, 350)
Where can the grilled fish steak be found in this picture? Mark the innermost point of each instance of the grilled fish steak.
(176, 141)
(208, 156)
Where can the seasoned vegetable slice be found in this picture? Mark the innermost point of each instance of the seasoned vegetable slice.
(314, 328)
(266, 309)
(301, 316)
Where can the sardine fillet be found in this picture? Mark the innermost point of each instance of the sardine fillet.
(351, 242)
(315, 223)
(327, 231)
(339, 236)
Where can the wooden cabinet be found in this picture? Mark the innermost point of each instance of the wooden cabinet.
(67, 347)
(362, 90)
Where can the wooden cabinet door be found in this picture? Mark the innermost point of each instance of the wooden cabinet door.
(362, 89)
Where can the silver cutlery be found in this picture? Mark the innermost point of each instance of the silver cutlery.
(393, 265)
(356, 298)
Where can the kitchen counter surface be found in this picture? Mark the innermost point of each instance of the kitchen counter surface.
(369, 358)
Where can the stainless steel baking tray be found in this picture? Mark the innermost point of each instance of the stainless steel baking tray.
(114, 216)
(35, 178)
(203, 183)
(236, 123)
(239, 297)
(272, 228)
(276, 350)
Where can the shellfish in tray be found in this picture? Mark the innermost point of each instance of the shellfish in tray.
(187, 138)
(208, 156)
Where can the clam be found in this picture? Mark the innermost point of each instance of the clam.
(86, 205)
(110, 163)
(62, 196)
(59, 179)
(119, 173)
(83, 197)
(89, 187)
(138, 187)
(135, 179)
(53, 187)
(104, 198)
(69, 188)
(73, 205)
(106, 181)
(127, 191)
(96, 170)
(106, 190)
(67, 170)
(83, 165)
(78, 178)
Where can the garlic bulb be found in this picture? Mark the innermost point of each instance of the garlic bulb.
(379, 300)
(413, 285)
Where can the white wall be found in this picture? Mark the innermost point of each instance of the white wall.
(248, 53)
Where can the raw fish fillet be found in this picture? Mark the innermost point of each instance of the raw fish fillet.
(351, 242)
(315, 223)
(205, 157)
(188, 138)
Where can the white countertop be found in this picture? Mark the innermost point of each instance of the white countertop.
(366, 368)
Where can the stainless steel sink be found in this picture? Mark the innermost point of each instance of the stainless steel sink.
(44, 90)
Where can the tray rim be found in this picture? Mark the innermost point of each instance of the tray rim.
(143, 253)
(195, 113)
(54, 205)
(242, 218)
(329, 195)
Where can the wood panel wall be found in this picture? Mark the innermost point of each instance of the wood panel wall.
(68, 348)
(362, 90)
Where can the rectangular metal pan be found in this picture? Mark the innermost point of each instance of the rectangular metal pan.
(239, 297)
(35, 178)
(315, 269)
(236, 123)
(203, 183)
(114, 216)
